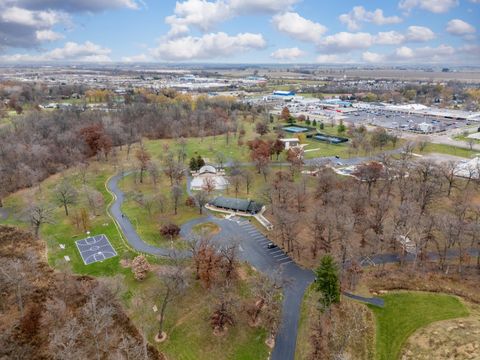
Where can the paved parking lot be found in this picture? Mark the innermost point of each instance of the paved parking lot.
(401, 121)
(277, 254)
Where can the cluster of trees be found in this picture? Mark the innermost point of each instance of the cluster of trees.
(53, 315)
(361, 139)
(262, 152)
(216, 268)
(196, 163)
(426, 94)
(401, 199)
(42, 143)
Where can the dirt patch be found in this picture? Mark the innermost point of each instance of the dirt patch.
(450, 339)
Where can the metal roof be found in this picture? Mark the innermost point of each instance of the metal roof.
(248, 206)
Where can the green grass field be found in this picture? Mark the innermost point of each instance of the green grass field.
(405, 312)
(189, 334)
(62, 230)
(449, 150)
(148, 225)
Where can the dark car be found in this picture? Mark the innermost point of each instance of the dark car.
(337, 157)
(271, 245)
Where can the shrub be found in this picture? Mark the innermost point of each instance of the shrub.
(171, 230)
(140, 267)
(190, 201)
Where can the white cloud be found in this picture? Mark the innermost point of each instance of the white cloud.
(31, 18)
(28, 23)
(346, 41)
(372, 57)
(209, 46)
(298, 27)
(460, 28)
(419, 34)
(261, 6)
(71, 51)
(199, 13)
(205, 15)
(404, 52)
(78, 5)
(327, 59)
(287, 54)
(358, 15)
(440, 53)
(48, 35)
(389, 38)
(137, 58)
(435, 6)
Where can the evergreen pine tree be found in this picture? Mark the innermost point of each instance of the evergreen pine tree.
(200, 162)
(327, 281)
(193, 164)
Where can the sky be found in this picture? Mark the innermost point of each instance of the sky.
(442, 32)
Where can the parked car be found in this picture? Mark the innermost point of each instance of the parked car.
(271, 245)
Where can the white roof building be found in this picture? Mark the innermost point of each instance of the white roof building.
(469, 169)
(289, 143)
(208, 174)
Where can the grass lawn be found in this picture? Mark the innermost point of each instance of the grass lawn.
(466, 139)
(449, 150)
(307, 313)
(207, 228)
(189, 334)
(148, 224)
(62, 230)
(208, 147)
(405, 312)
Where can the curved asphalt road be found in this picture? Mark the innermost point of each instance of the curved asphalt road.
(252, 246)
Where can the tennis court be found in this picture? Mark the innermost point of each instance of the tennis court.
(294, 129)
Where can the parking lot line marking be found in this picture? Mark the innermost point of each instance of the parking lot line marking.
(275, 252)
(282, 254)
(287, 262)
(284, 258)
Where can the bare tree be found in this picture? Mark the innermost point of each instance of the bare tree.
(448, 172)
(143, 158)
(173, 285)
(65, 195)
(40, 214)
(97, 318)
(224, 310)
(248, 176)
(177, 193)
(15, 274)
(201, 198)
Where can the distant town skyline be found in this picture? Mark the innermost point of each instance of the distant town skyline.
(443, 32)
